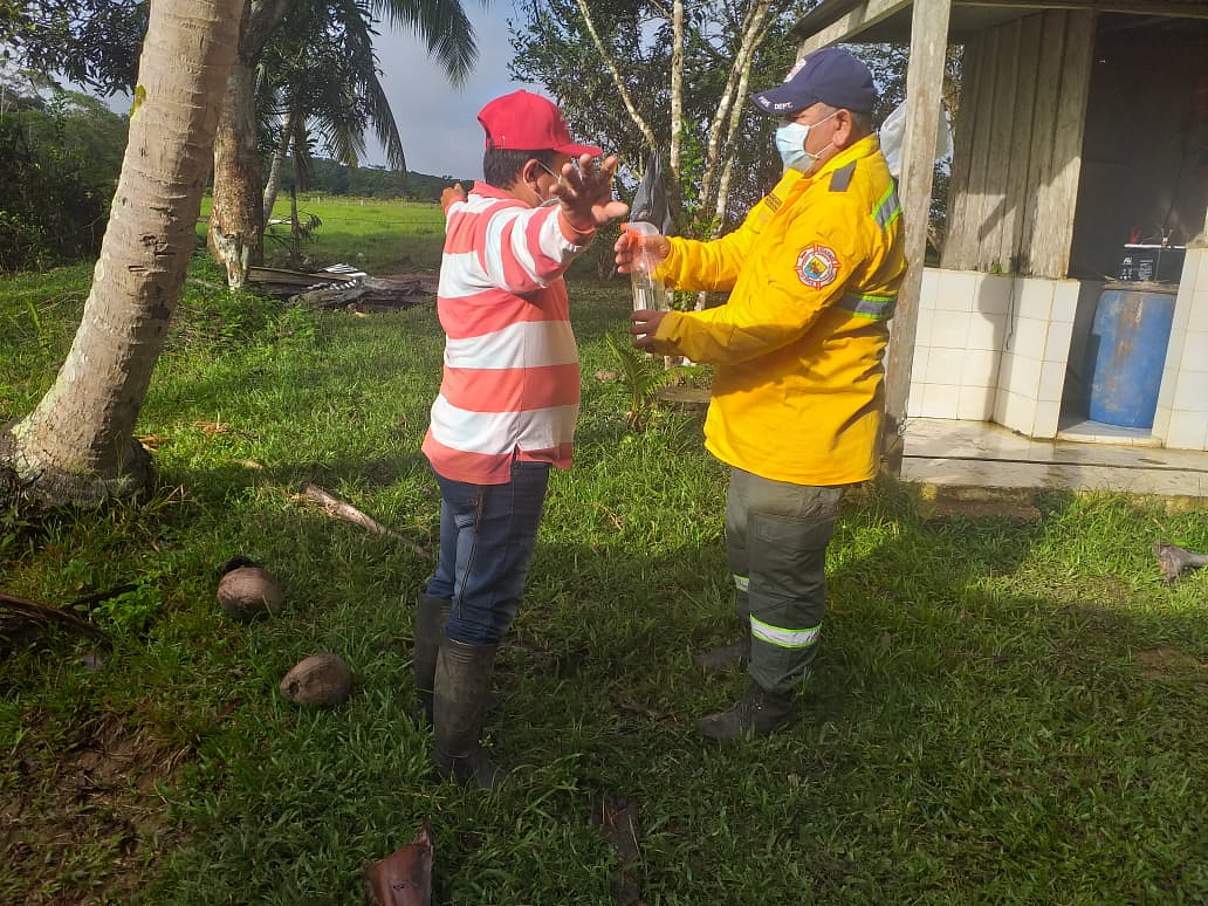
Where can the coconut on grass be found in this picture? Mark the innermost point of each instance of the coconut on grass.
(247, 590)
(319, 681)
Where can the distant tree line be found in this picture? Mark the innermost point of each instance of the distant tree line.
(332, 178)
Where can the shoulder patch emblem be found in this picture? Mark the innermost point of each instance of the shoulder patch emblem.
(817, 266)
(773, 202)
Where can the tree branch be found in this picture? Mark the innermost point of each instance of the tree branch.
(752, 25)
(634, 114)
(677, 84)
(740, 101)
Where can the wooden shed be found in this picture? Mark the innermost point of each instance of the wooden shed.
(1081, 155)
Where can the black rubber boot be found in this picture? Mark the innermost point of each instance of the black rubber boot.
(463, 686)
(431, 615)
(758, 713)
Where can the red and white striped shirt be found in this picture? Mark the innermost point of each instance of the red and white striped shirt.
(511, 376)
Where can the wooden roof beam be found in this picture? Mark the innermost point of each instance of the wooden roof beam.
(1137, 7)
(863, 15)
(852, 17)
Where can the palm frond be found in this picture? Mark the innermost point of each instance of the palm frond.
(384, 123)
(444, 25)
(642, 378)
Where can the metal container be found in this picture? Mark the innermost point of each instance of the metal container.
(1128, 344)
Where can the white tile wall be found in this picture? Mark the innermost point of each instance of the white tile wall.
(1195, 349)
(1047, 416)
(1057, 344)
(1065, 301)
(956, 290)
(1191, 394)
(966, 321)
(950, 329)
(1020, 374)
(987, 331)
(1029, 336)
(1052, 382)
(1187, 431)
(1182, 419)
(1182, 306)
(1034, 297)
(976, 403)
(927, 295)
(1170, 378)
(994, 294)
(940, 401)
(979, 368)
(1161, 421)
(1197, 315)
(1016, 412)
(944, 366)
(926, 318)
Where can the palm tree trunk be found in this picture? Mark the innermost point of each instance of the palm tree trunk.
(236, 235)
(236, 220)
(273, 186)
(295, 237)
(77, 446)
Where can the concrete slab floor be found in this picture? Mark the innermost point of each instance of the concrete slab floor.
(972, 454)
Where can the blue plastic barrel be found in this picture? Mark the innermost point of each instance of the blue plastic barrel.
(1128, 343)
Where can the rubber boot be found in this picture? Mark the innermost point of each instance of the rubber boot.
(463, 686)
(733, 655)
(758, 713)
(431, 615)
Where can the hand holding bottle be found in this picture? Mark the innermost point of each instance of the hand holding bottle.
(641, 246)
(643, 249)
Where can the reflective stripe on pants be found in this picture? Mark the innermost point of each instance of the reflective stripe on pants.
(776, 539)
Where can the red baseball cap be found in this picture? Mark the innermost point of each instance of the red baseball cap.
(523, 121)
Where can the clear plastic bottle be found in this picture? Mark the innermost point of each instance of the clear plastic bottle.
(648, 290)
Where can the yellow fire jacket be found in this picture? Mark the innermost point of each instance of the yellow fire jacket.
(813, 274)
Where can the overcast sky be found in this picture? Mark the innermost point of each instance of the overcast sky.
(438, 123)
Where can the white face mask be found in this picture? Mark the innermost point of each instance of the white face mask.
(553, 199)
(790, 142)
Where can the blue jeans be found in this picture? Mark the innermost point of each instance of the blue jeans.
(487, 535)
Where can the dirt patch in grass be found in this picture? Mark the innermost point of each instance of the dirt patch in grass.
(82, 825)
(1165, 662)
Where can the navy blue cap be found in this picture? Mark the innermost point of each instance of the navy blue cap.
(831, 75)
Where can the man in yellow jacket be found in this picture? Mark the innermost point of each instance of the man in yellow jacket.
(813, 274)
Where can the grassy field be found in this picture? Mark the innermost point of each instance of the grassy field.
(1003, 712)
(383, 236)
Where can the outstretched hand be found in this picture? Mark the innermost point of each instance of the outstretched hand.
(585, 194)
(451, 196)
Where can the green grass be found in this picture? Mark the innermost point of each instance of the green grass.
(1002, 712)
(380, 235)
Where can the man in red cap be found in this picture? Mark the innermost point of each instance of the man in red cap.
(508, 400)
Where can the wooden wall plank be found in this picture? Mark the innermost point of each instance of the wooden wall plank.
(995, 202)
(962, 154)
(971, 229)
(1044, 125)
(1021, 142)
(1059, 196)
